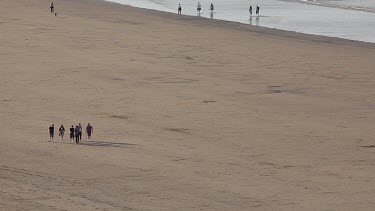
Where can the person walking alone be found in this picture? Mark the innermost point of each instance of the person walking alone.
(52, 7)
(61, 133)
(51, 130)
(199, 7)
(179, 9)
(212, 8)
(257, 10)
(251, 10)
(89, 131)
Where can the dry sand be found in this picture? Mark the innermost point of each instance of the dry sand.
(188, 113)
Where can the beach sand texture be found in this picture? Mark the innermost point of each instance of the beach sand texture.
(188, 113)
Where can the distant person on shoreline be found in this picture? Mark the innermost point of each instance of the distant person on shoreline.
(251, 10)
(89, 131)
(71, 133)
(61, 133)
(257, 10)
(199, 7)
(212, 7)
(179, 9)
(76, 133)
(52, 7)
(51, 132)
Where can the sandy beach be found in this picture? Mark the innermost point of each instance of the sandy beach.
(188, 113)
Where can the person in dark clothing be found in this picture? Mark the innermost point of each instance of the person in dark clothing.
(61, 133)
(52, 7)
(51, 132)
(76, 132)
(89, 131)
(71, 133)
(251, 10)
(257, 10)
(80, 131)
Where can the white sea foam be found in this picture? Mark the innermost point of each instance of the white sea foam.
(336, 18)
(361, 5)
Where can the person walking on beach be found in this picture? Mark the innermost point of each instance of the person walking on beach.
(251, 10)
(51, 132)
(61, 133)
(199, 7)
(80, 131)
(76, 133)
(179, 9)
(89, 131)
(71, 133)
(212, 7)
(52, 7)
(257, 10)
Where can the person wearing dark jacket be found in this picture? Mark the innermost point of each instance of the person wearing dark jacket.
(76, 133)
(52, 7)
(71, 130)
(51, 130)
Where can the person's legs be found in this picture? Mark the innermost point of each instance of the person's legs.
(80, 136)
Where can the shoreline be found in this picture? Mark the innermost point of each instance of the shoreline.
(261, 29)
(188, 113)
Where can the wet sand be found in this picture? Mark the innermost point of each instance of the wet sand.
(188, 113)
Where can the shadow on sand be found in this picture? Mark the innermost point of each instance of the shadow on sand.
(368, 146)
(106, 144)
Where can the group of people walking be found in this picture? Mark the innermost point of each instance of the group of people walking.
(199, 8)
(75, 132)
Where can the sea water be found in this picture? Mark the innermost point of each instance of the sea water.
(349, 19)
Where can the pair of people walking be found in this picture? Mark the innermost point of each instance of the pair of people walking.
(75, 132)
(256, 10)
(199, 7)
(51, 130)
(52, 7)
